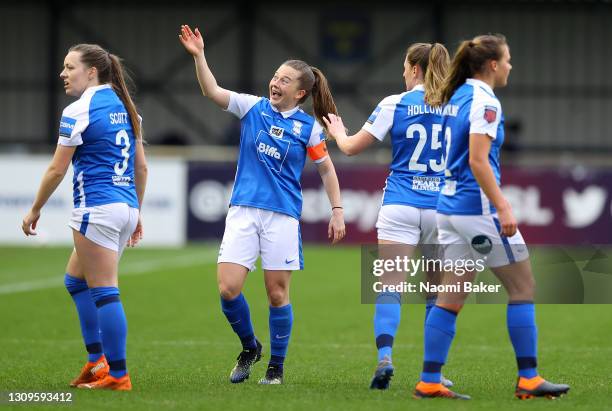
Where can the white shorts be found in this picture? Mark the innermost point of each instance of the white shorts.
(478, 237)
(251, 232)
(108, 225)
(407, 225)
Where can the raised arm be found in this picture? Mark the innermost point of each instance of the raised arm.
(194, 44)
(349, 145)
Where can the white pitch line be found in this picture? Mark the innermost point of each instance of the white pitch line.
(128, 269)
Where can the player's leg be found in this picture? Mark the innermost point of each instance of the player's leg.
(281, 253)
(237, 255)
(440, 324)
(280, 322)
(517, 278)
(99, 247)
(96, 367)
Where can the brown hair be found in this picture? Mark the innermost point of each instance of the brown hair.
(314, 82)
(110, 70)
(434, 61)
(470, 59)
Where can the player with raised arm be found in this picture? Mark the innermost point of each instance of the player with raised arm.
(407, 214)
(266, 202)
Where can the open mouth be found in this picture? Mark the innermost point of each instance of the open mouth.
(275, 93)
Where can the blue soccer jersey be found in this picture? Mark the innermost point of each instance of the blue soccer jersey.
(473, 109)
(99, 124)
(273, 149)
(417, 166)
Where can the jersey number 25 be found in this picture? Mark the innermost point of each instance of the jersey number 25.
(411, 132)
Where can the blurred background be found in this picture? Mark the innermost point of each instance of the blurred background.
(558, 152)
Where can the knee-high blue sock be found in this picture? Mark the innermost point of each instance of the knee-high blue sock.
(439, 334)
(238, 315)
(88, 315)
(429, 303)
(281, 321)
(113, 327)
(387, 312)
(524, 336)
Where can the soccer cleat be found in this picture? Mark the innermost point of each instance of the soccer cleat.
(246, 359)
(445, 381)
(382, 375)
(527, 388)
(274, 376)
(92, 371)
(425, 390)
(110, 383)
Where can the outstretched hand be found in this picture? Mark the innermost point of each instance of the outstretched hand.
(193, 42)
(335, 126)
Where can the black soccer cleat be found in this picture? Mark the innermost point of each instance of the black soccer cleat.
(528, 388)
(274, 376)
(382, 375)
(246, 359)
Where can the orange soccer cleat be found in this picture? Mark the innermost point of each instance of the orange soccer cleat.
(110, 383)
(92, 371)
(436, 390)
(527, 388)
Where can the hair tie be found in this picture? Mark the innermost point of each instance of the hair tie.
(471, 44)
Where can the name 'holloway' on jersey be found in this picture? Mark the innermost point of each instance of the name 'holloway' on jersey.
(477, 111)
(103, 163)
(272, 154)
(418, 165)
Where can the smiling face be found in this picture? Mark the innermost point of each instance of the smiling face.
(285, 92)
(76, 75)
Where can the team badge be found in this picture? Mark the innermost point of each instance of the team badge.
(297, 128)
(490, 113)
(277, 132)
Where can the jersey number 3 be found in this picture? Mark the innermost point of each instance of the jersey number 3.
(414, 165)
(122, 139)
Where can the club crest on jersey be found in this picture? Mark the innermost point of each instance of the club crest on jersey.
(297, 128)
(277, 132)
(490, 113)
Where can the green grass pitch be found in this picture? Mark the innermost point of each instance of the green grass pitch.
(180, 348)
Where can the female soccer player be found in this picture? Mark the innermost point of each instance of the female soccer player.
(267, 199)
(475, 220)
(407, 214)
(101, 134)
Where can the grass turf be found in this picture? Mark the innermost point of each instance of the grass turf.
(180, 348)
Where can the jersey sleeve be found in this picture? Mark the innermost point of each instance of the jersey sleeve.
(380, 121)
(317, 149)
(74, 121)
(240, 104)
(485, 116)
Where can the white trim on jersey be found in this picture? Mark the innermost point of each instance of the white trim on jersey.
(240, 104)
(483, 100)
(316, 139)
(383, 120)
(77, 112)
(484, 203)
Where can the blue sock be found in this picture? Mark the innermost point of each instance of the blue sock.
(281, 321)
(387, 313)
(88, 316)
(524, 336)
(429, 303)
(439, 334)
(238, 315)
(113, 327)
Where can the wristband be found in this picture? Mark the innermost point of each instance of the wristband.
(333, 208)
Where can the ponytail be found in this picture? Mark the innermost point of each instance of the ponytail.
(118, 82)
(437, 69)
(110, 70)
(469, 60)
(322, 99)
